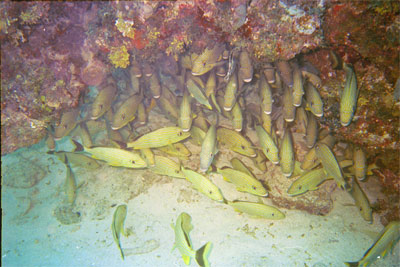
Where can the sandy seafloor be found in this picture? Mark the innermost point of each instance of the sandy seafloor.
(33, 236)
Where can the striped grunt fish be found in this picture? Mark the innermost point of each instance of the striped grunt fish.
(348, 101)
(268, 145)
(160, 137)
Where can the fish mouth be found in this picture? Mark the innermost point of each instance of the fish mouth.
(227, 108)
(115, 128)
(319, 115)
(248, 80)
(288, 174)
(185, 130)
(156, 96)
(238, 129)
(196, 74)
(289, 120)
(275, 162)
(267, 112)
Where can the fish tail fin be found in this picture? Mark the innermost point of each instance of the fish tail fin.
(78, 146)
(122, 252)
(202, 255)
(352, 264)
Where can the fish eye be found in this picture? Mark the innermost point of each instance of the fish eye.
(65, 127)
(176, 171)
(180, 134)
(267, 149)
(210, 192)
(123, 116)
(243, 147)
(273, 214)
(133, 162)
(254, 188)
(101, 106)
(300, 187)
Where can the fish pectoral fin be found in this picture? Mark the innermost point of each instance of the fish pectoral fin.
(241, 189)
(186, 259)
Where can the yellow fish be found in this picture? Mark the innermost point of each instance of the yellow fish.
(348, 101)
(126, 112)
(259, 210)
(183, 242)
(207, 60)
(385, 242)
(166, 166)
(117, 226)
(203, 185)
(114, 156)
(235, 141)
(160, 137)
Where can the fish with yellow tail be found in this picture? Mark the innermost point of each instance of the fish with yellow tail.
(76, 159)
(257, 209)
(160, 137)
(114, 156)
(243, 181)
(269, 148)
(235, 141)
(70, 183)
(208, 148)
(203, 185)
(126, 112)
(387, 239)
(314, 101)
(361, 201)
(197, 93)
(166, 166)
(330, 164)
(183, 243)
(117, 226)
(207, 60)
(348, 101)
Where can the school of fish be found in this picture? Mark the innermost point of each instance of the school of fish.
(214, 84)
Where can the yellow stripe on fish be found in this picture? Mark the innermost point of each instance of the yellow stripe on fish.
(287, 154)
(126, 112)
(185, 114)
(114, 156)
(183, 243)
(268, 145)
(235, 141)
(160, 137)
(243, 181)
(348, 101)
(117, 226)
(385, 242)
(259, 210)
(166, 166)
(314, 100)
(361, 200)
(331, 166)
(203, 185)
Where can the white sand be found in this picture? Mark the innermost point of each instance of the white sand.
(36, 238)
